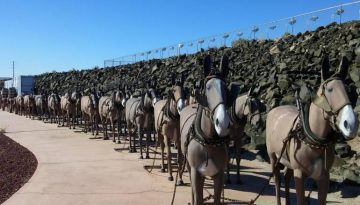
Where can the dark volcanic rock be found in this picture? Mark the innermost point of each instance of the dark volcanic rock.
(271, 66)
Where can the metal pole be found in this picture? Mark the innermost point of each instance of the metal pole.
(13, 63)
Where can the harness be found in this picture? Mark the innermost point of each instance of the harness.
(198, 135)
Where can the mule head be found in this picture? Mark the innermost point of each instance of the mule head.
(150, 98)
(75, 96)
(177, 93)
(252, 109)
(117, 97)
(214, 95)
(333, 99)
(177, 97)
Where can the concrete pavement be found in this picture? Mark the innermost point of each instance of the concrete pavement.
(73, 169)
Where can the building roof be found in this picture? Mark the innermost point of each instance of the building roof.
(5, 78)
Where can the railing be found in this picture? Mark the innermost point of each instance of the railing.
(274, 29)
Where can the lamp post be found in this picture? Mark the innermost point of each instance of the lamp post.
(189, 45)
(225, 36)
(339, 12)
(239, 34)
(313, 19)
(272, 28)
(199, 42)
(292, 22)
(180, 45)
(212, 40)
(254, 30)
(13, 73)
(171, 48)
(162, 51)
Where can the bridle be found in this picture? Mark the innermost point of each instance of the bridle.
(210, 112)
(323, 103)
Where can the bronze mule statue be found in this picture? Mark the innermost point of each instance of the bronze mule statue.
(204, 128)
(110, 108)
(245, 109)
(139, 117)
(167, 123)
(303, 140)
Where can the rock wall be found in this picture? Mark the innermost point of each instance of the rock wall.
(273, 66)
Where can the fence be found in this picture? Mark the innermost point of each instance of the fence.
(274, 29)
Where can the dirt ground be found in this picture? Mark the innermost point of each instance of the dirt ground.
(17, 165)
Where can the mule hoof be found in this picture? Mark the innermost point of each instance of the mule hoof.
(105, 138)
(118, 142)
(163, 170)
(141, 157)
(239, 182)
(171, 178)
(180, 183)
(147, 157)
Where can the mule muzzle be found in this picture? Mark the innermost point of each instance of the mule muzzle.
(221, 120)
(348, 122)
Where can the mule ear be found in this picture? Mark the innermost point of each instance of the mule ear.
(207, 65)
(201, 99)
(343, 68)
(325, 68)
(173, 80)
(250, 92)
(224, 66)
(182, 77)
(234, 93)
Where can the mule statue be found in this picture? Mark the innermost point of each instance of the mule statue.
(167, 123)
(54, 107)
(309, 134)
(245, 108)
(90, 112)
(204, 128)
(139, 116)
(110, 109)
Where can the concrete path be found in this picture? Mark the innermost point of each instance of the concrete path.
(73, 169)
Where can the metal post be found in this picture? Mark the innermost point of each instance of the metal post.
(13, 64)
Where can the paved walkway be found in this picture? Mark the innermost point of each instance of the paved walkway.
(73, 169)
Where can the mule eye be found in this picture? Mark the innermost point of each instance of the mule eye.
(330, 90)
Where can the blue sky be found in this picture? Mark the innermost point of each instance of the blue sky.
(43, 35)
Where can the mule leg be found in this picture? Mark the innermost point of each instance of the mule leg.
(162, 146)
(180, 161)
(168, 150)
(238, 159)
(218, 186)
(323, 188)
(140, 135)
(113, 128)
(118, 130)
(104, 125)
(276, 173)
(197, 185)
(288, 174)
(92, 124)
(148, 136)
(129, 134)
(228, 180)
(299, 186)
